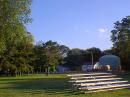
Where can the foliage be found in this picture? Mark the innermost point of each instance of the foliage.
(15, 42)
(108, 52)
(121, 41)
(96, 52)
(49, 54)
(13, 15)
(77, 57)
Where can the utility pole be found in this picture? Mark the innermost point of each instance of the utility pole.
(92, 58)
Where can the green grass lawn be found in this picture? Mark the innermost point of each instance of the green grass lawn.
(54, 85)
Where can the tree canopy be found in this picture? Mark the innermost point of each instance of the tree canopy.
(13, 15)
(15, 41)
(121, 41)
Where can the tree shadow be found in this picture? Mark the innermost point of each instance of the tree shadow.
(50, 86)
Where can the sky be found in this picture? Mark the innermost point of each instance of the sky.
(77, 23)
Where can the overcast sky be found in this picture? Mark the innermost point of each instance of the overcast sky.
(77, 23)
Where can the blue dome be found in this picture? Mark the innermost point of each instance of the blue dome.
(112, 60)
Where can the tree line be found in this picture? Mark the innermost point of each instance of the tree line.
(19, 55)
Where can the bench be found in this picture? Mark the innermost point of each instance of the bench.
(97, 82)
(106, 76)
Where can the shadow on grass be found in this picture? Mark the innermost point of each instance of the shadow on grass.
(54, 86)
(50, 86)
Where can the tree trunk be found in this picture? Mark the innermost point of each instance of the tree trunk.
(47, 70)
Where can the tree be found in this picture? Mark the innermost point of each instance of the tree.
(51, 55)
(108, 52)
(39, 57)
(95, 53)
(63, 50)
(48, 55)
(15, 41)
(121, 41)
(25, 54)
(75, 58)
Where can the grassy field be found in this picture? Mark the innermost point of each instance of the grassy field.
(55, 85)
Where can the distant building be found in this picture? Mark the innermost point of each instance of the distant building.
(62, 69)
(87, 67)
(97, 66)
(110, 61)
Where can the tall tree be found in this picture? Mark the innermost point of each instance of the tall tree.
(14, 38)
(95, 53)
(75, 58)
(39, 57)
(51, 55)
(48, 55)
(121, 41)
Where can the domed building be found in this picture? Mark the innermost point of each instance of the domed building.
(111, 60)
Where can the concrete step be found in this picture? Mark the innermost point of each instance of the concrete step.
(88, 74)
(104, 87)
(102, 83)
(94, 80)
(92, 77)
(106, 90)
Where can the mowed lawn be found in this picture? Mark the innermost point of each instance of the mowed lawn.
(54, 85)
